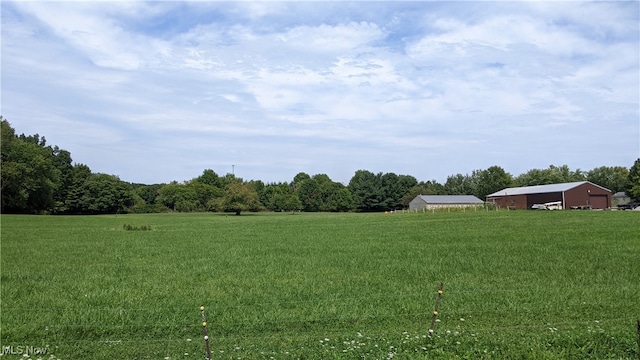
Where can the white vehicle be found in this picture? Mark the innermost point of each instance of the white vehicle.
(554, 205)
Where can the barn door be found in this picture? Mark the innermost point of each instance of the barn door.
(598, 201)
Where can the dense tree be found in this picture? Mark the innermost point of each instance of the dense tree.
(179, 197)
(104, 194)
(325, 188)
(334, 196)
(431, 187)
(29, 176)
(367, 192)
(148, 193)
(297, 181)
(395, 188)
(314, 193)
(320, 193)
(614, 178)
(206, 195)
(73, 203)
(491, 180)
(633, 185)
(391, 191)
(551, 175)
(407, 182)
(240, 197)
(300, 177)
(382, 191)
(459, 184)
(340, 198)
(209, 177)
(310, 195)
(229, 179)
(279, 197)
(62, 161)
(208, 188)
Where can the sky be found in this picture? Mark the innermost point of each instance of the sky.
(155, 92)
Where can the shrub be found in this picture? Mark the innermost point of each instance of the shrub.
(129, 227)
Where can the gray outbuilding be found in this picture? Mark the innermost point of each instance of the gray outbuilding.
(620, 198)
(443, 201)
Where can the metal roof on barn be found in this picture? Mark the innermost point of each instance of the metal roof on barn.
(540, 189)
(450, 199)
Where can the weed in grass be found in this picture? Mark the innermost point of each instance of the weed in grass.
(129, 227)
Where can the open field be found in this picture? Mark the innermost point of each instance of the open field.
(518, 284)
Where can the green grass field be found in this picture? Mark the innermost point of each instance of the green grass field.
(517, 284)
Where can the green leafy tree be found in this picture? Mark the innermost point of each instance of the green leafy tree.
(279, 197)
(209, 177)
(395, 188)
(614, 178)
(104, 194)
(29, 176)
(320, 193)
(240, 197)
(339, 198)
(205, 193)
(491, 180)
(551, 175)
(148, 193)
(459, 184)
(300, 177)
(366, 189)
(407, 182)
(73, 202)
(633, 186)
(326, 187)
(179, 197)
(310, 195)
(392, 191)
(229, 179)
(63, 163)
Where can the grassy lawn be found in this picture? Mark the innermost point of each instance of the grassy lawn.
(518, 284)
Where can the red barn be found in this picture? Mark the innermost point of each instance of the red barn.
(581, 194)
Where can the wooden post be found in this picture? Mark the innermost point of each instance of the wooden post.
(435, 312)
(206, 335)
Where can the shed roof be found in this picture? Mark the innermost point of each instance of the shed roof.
(540, 189)
(451, 199)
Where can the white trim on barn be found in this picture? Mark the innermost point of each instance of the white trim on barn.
(443, 201)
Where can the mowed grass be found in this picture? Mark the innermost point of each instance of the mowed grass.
(517, 284)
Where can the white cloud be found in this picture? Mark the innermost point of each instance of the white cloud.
(342, 85)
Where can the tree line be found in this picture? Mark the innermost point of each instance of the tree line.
(39, 178)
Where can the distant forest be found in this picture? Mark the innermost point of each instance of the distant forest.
(38, 178)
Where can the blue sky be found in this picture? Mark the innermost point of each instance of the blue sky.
(160, 91)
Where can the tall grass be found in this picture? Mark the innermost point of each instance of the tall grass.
(518, 284)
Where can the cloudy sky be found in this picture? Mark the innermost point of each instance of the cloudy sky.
(160, 91)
